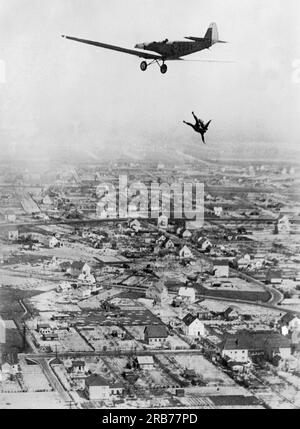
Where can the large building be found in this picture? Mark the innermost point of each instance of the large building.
(244, 345)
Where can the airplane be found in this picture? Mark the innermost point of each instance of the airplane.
(160, 52)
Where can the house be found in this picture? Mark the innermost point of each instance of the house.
(289, 322)
(78, 367)
(277, 345)
(50, 337)
(158, 292)
(135, 225)
(155, 335)
(282, 225)
(145, 363)
(97, 388)
(274, 277)
(79, 267)
(65, 267)
(13, 233)
(193, 327)
(187, 293)
(245, 345)
(169, 245)
(54, 242)
(44, 328)
(221, 268)
(185, 253)
(218, 211)
(204, 244)
(186, 234)
(162, 222)
(230, 314)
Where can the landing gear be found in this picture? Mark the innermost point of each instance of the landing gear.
(163, 69)
(144, 66)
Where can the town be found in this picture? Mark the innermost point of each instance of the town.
(124, 310)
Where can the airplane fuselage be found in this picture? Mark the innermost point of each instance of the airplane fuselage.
(174, 50)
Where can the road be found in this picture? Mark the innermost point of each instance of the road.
(53, 380)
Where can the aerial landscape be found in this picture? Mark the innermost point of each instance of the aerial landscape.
(146, 264)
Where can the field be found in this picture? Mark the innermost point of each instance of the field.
(40, 400)
(254, 296)
(209, 373)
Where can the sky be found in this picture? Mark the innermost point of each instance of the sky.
(58, 93)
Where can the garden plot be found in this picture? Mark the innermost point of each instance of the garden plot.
(154, 379)
(100, 338)
(34, 379)
(72, 341)
(118, 364)
(127, 303)
(140, 316)
(209, 373)
(176, 343)
(136, 331)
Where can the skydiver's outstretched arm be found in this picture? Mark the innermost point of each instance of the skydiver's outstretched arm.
(208, 124)
(195, 117)
(188, 123)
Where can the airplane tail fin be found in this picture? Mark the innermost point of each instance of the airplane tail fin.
(212, 34)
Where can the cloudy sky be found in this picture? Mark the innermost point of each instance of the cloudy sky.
(59, 93)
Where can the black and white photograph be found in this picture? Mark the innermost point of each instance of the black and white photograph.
(149, 207)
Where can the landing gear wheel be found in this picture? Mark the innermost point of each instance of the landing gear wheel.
(164, 69)
(144, 66)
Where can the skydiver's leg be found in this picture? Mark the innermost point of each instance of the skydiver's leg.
(202, 136)
(188, 123)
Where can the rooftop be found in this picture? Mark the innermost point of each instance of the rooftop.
(156, 331)
(258, 340)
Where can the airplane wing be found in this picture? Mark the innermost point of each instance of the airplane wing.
(147, 55)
